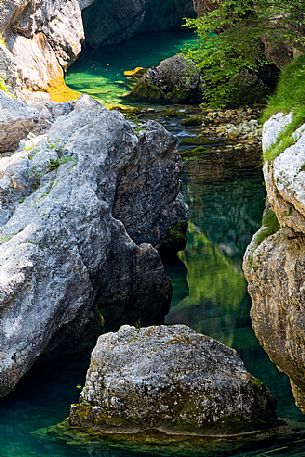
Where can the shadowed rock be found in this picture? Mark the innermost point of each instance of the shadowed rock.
(17, 119)
(176, 79)
(108, 22)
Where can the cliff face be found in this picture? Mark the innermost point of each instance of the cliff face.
(38, 41)
(203, 6)
(108, 22)
(275, 261)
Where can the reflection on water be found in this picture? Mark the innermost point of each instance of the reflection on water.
(99, 73)
(210, 292)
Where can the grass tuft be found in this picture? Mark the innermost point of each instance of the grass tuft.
(289, 98)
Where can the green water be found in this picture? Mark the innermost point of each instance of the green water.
(209, 289)
(210, 292)
(100, 72)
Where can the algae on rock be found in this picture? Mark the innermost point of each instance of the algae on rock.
(171, 379)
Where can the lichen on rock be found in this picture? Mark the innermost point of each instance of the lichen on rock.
(64, 253)
(170, 379)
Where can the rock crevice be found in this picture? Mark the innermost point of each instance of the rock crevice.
(66, 257)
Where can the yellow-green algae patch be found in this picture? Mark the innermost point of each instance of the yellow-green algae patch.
(60, 92)
(162, 444)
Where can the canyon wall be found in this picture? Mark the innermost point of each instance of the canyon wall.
(38, 40)
(275, 261)
(115, 21)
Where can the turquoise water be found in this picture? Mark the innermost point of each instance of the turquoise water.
(209, 288)
(100, 72)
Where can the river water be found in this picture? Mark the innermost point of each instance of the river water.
(209, 288)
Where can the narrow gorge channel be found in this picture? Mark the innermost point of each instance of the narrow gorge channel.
(209, 288)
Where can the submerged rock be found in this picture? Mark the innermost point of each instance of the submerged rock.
(170, 379)
(176, 79)
(64, 255)
(275, 260)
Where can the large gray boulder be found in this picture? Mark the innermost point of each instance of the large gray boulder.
(170, 379)
(274, 262)
(63, 254)
(175, 80)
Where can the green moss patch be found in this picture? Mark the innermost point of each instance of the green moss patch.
(196, 140)
(270, 225)
(3, 85)
(195, 119)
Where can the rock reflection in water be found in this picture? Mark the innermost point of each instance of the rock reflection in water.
(223, 216)
(210, 293)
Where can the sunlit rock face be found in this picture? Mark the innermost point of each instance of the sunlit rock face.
(275, 261)
(172, 379)
(108, 22)
(67, 247)
(40, 38)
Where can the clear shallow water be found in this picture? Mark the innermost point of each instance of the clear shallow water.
(209, 289)
(100, 72)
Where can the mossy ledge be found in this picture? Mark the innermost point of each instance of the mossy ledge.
(60, 92)
(159, 443)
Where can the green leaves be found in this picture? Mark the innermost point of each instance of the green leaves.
(230, 40)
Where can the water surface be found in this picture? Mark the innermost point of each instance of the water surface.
(100, 72)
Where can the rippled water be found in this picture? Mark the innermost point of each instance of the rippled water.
(209, 289)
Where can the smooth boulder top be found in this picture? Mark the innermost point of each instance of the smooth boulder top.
(172, 379)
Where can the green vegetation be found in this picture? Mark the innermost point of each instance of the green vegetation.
(289, 98)
(6, 238)
(270, 225)
(196, 140)
(195, 119)
(230, 41)
(2, 85)
(55, 163)
(202, 259)
(290, 94)
(2, 41)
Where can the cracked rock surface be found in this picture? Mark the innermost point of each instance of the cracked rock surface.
(172, 379)
(63, 252)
